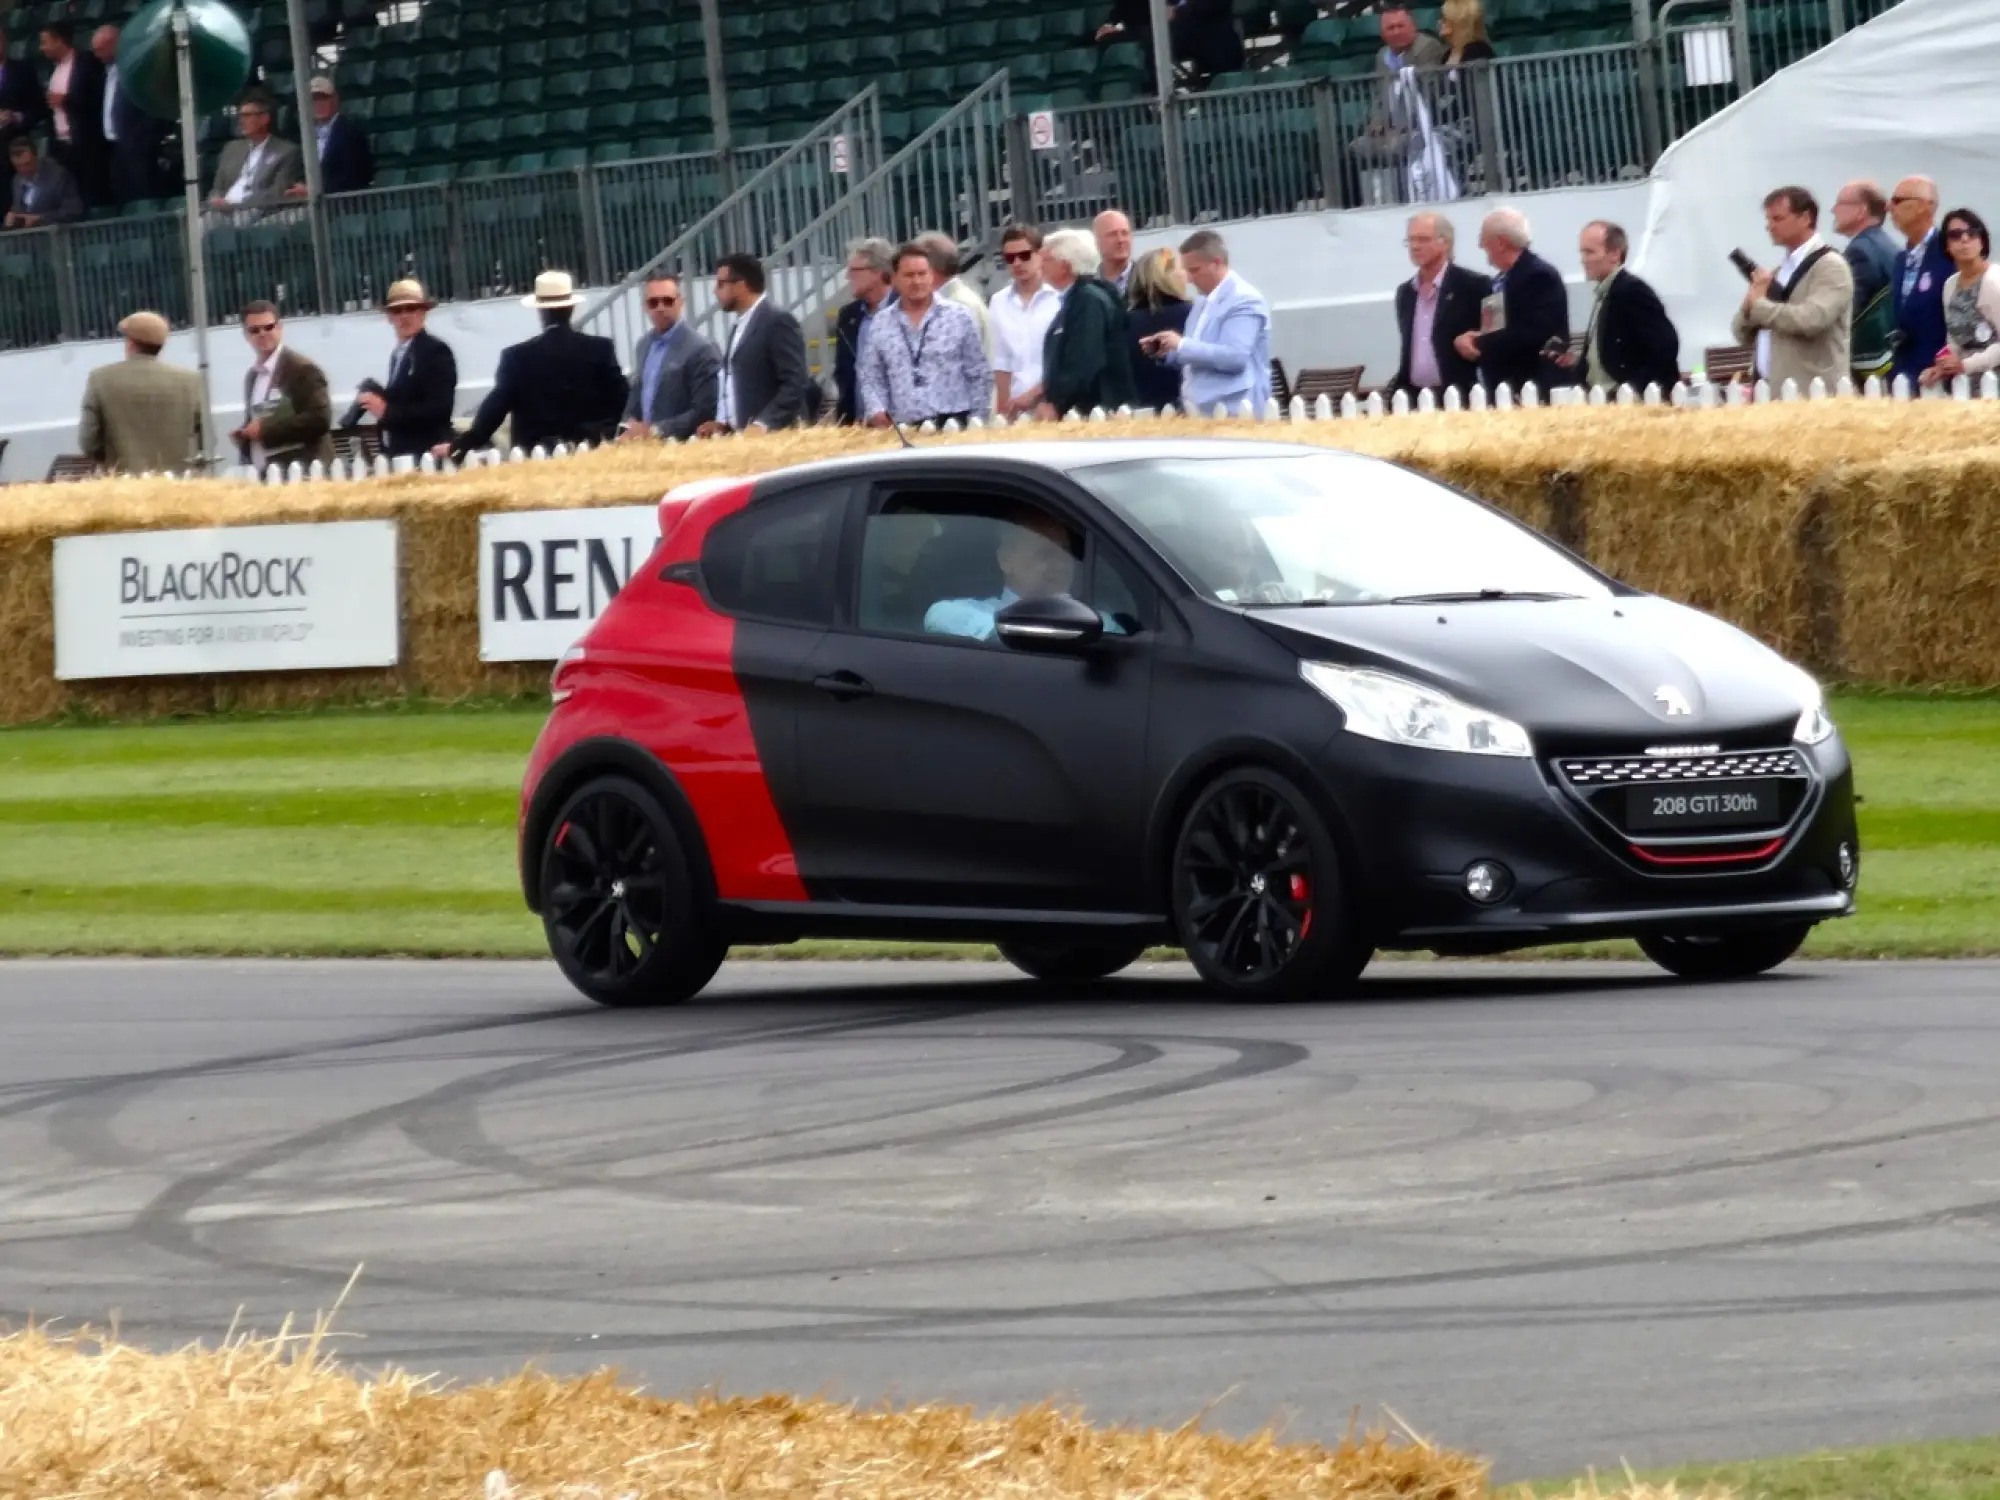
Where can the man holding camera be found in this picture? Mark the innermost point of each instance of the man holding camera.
(414, 409)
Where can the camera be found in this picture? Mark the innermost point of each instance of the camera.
(352, 417)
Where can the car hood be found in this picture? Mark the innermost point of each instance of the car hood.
(1582, 672)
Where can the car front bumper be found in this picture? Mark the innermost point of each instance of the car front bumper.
(1415, 821)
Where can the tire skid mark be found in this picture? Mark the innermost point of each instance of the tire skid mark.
(163, 1222)
(471, 1146)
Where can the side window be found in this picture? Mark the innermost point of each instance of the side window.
(778, 558)
(938, 563)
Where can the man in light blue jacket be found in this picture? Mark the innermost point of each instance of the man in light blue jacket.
(1225, 353)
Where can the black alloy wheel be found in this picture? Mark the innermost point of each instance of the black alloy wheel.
(1072, 960)
(1257, 892)
(1723, 956)
(618, 902)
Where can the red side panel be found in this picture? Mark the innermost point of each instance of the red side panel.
(657, 671)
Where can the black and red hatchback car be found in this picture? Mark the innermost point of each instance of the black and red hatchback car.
(1278, 705)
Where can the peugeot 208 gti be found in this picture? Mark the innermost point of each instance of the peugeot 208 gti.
(1278, 705)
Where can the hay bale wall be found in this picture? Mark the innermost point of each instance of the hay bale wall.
(1862, 538)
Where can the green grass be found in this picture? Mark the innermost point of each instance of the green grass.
(392, 832)
(1968, 1470)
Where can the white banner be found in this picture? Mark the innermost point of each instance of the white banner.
(545, 575)
(227, 599)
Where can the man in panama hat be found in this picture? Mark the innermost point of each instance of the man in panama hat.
(414, 408)
(141, 414)
(560, 387)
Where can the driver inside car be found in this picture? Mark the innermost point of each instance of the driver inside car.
(1037, 561)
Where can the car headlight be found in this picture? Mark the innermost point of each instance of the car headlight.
(1815, 725)
(1383, 706)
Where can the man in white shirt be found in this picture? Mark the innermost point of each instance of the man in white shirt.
(259, 168)
(1020, 316)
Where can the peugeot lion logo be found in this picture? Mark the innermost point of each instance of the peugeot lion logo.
(1674, 701)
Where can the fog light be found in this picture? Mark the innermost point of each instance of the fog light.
(1849, 865)
(1487, 881)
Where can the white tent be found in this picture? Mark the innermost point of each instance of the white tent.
(1910, 93)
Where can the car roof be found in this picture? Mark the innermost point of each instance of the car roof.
(1061, 456)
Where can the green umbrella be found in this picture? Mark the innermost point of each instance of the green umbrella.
(218, 52)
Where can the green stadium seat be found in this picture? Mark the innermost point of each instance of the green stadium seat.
(479, 98)
(608, 15)
(1075, 67)
(608, 153)
(522, 132)
(440, 140)
(357, 78)
(968, 76)
(436, 33)
(479, 65)
(441, 103)
(787, 27)
(525, 58)
(875, 17)
(1019, 35)
(656, 116)
(568, 159)
(389, 177)
(525, 163)
(570, 127)
(878, 54)
(524, 20)
(520, 95)
(651, 44)
(748, 105)
(830, 94)
(1029, 73)
(568, 51)
(1119, 91)
(1324, 41)
(566, 88)
(436, 172)
(481, 28)
(608, 84)
(613, 120)
(395, 73)
(1070, 98)
(392, 145)
(896, 128)
(1125, 60)
(834, 58)
(743, 66)
(975, 37)
(835, 19)
(785, 64)
(391, 111)
(607, 49)
(929, 86)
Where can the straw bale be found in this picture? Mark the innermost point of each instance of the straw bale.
(1857, 535)
(260, 1419)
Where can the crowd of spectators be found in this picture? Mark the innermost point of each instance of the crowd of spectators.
(1081, 324)
(75, 141)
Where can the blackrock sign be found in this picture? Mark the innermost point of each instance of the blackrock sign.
(227, 599)
(545, 575)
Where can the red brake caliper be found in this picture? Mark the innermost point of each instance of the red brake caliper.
(1302, 894)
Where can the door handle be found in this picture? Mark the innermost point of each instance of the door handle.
(844, 685)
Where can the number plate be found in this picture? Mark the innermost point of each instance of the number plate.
(1693, 807)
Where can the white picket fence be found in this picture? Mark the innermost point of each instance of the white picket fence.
(1702, 396)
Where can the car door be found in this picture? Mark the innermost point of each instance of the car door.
(943, 770)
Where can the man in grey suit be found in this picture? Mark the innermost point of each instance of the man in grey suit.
(258, 169)
(763, 381)
(1386, 141)
(44, 192)
(675, 371)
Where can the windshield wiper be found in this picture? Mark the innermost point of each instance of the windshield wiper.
(1293, 603)
(1479, 596)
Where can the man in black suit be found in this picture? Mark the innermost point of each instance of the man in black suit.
(76, 103)
(764, 366)
(22, 106)
(346, 162)
(1525, 326)
(1631, 340)
(133, 138)
(413, 410)
(1434, 307)
(560, 387)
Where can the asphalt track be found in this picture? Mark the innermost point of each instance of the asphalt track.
(1565, 1215)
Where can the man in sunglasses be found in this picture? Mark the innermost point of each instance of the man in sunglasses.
(414, 409)
(675, 371)
(1020, 316)
(287, 413)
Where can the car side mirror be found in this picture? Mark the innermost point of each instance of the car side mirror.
(1051, 623)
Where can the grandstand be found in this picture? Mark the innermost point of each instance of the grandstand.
(519, 136)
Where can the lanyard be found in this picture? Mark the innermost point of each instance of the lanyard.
(916, 351)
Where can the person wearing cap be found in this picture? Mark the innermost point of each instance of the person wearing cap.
(559, 387)
(413, 408)
(346, 161)
(141, 415)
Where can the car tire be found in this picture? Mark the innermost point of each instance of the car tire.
(1258, 895)
(1712, 958)
(619, 903)
(1072, 960)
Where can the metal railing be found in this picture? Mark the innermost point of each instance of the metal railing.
(952, 177)
(795, 188)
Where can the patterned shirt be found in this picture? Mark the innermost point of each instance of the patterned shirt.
(938, 368)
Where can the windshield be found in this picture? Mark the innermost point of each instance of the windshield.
(1328, 529)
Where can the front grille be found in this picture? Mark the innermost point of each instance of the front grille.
(1634, 770)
